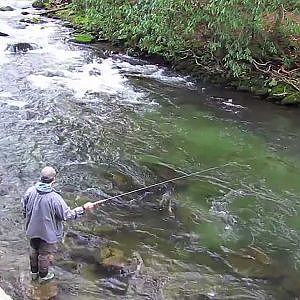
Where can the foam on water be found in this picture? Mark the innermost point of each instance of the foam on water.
(94, 77)
(153, 71)
(6, 98)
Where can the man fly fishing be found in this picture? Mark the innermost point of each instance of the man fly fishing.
(45, 210)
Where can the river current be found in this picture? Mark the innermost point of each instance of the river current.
(110, 123)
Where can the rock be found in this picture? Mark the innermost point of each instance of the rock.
(124, 182)
(3, 34)
(6, 8)
(70, 266)
(21, 47)
(112, 260)
(161, 169)
(20, 26)
(24, 13)
(40, 4)
(33, 20)
(254, 263)
(243, 88)
(116, 286)
(261, 92)
(280, 91)
(82, 254)
(83, 38)
(291, 99)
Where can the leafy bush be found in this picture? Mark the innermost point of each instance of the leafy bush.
(233, 31)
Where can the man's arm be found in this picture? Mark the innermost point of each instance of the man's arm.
(64, 212)
(24, 201)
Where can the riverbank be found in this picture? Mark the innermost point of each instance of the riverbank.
(271, 74)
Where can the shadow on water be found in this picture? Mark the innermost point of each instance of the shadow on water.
(110, 124)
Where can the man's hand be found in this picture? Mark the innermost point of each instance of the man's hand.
(88, 206)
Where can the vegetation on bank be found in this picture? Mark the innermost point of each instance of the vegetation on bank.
(252, 44)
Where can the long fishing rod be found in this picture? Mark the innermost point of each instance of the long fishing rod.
(157, 184)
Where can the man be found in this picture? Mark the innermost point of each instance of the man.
(45, 210)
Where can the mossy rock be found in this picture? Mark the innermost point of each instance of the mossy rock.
(34, 20)
(280, 91)
(161, 169)
(124, 182)
(40, 4)
(243, 88)
(111, 259)
(84, 38)
(261, 92)
(291, 99)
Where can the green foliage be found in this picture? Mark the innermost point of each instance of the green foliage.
(230, 28)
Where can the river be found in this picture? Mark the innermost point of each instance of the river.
(111, 123)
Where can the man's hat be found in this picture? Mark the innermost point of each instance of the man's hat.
(47, 174)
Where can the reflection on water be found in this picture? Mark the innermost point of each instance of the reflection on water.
(110, 123)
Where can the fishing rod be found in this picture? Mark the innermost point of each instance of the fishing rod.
(157, 184)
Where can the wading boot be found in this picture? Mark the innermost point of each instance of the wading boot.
(46, 278)
(34, 276)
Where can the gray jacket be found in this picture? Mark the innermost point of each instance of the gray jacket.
(44, 210)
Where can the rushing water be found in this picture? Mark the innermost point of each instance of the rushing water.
(110, 123)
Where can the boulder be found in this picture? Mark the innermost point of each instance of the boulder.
(84, 38)
(21, 47)
(291, 99)
(111, 260)
(34, 20)
(6, 8)
(3, 34)
(40, 4)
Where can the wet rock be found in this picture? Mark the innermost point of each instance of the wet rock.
(116, 286)
(40, 4)
(70, 266)
(83, 38)
(33, 20)
(160, 168)
(41, 291)
(6, 8)
(254, 263)
(123, 181)
(83, 254)
(3, 34)
(111, 260)
(21, 47)
(20, 26)
(291, 99)
(24, 13)
(4, 191)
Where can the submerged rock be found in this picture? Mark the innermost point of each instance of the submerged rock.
(21, 47)
(112, 260)
(116, 285)
(253, 262)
